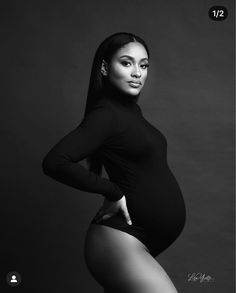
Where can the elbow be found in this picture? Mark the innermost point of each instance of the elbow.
(48, 165)
(53, 164)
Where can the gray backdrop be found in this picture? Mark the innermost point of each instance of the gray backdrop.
(47, 49)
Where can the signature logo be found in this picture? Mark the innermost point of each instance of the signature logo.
(194, 277)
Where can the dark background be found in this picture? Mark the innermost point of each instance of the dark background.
(46, 56)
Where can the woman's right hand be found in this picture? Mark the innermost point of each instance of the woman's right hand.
(110, 208)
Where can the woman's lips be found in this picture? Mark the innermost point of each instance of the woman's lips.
(134, 84)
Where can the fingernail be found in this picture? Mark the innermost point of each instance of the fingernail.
(129, 222)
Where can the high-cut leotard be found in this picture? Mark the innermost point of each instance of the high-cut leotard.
(134, 155)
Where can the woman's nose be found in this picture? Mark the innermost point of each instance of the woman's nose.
(136, 72)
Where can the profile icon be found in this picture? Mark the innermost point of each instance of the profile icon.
(13, 279)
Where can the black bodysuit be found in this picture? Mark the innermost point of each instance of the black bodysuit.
(134, 155)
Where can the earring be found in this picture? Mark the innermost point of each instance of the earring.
(103, 70)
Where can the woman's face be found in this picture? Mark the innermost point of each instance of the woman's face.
(128, 68)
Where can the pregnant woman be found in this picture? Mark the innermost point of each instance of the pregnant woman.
(143, 211)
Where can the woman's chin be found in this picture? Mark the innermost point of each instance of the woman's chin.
(132, 91)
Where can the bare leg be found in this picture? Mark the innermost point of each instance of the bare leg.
(121, 263)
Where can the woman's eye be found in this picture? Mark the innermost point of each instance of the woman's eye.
(125, 63)
(144, 66)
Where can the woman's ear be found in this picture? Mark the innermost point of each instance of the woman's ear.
(104, 68)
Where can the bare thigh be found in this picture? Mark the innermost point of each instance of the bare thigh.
(119, 262)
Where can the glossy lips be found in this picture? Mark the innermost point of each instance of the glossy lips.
(135, 83)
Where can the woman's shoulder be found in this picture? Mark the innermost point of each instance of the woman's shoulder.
(102, 114)
(114, 115)
(108, 109)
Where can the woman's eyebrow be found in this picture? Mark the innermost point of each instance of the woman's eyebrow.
(130, 57)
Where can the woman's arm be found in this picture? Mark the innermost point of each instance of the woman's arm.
(61, 162)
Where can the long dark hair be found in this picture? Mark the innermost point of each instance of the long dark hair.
(105, 51)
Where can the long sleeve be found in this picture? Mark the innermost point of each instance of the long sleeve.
(61, 162)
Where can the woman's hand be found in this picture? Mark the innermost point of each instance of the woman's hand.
(110, 208)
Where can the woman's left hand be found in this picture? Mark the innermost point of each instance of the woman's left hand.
(110, 208)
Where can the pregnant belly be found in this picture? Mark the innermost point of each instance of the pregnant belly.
(157, 203)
